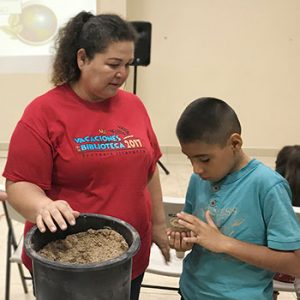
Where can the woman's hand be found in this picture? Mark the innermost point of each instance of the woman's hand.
(160, 238)
(56, 213)
(34, 205)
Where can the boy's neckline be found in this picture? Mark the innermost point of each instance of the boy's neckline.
(231, 177)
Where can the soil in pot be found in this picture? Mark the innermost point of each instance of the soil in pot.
(91, 246)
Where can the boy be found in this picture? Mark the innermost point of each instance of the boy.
(242, 227)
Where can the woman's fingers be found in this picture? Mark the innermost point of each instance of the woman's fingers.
(67, 212)
(58, 213)
(46, 216)
(165, 250)
(40, 223)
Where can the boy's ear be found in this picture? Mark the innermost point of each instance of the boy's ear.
(236, 141)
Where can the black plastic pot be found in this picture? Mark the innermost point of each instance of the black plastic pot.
(108, 280)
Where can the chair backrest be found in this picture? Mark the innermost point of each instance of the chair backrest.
(13, 214)
(10, 211)
(14, 246)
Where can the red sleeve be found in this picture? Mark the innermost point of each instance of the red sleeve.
(29, 157)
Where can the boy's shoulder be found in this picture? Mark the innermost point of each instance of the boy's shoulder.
(264, 172)
(262, 179)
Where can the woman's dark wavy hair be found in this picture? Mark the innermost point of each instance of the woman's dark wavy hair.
(288, 165)
(94, 34)
(208, 120)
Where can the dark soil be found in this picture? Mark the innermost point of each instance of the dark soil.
(91, 246)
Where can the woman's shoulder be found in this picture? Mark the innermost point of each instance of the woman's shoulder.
(131, 100)
(44, 105)
(123, 94)
(49, 97)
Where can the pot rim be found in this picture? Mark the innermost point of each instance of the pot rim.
(127, 255)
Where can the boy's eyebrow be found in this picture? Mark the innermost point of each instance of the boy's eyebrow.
(196, 155)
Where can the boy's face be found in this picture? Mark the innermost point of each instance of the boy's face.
(211, 161)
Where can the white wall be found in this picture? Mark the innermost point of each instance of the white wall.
(245, 52)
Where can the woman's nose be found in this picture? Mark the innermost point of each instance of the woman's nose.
(122, 72)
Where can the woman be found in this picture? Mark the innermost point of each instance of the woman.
(88, 146)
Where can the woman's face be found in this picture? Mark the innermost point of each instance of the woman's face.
(102, 76)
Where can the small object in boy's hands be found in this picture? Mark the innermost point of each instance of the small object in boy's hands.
(180, 254)
(176, 226)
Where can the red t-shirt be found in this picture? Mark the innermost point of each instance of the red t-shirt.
(96, 156)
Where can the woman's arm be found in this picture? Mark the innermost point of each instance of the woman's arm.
(159, 229)
(34, 205)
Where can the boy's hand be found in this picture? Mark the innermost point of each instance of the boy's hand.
(206, 235)
(177, 242)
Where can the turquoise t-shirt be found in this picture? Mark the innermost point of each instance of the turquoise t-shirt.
(252, 205)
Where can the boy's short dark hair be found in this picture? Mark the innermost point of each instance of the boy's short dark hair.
(208, 120)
